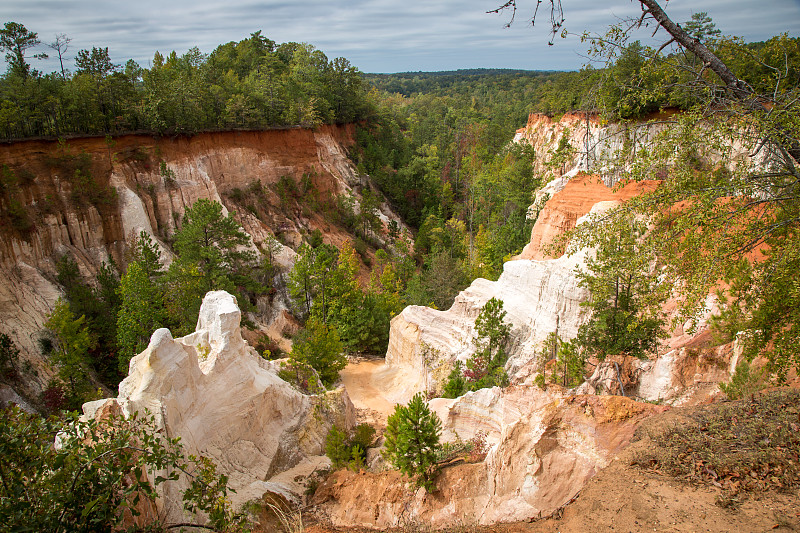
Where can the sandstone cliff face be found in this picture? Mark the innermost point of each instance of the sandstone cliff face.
(544, 447)
(593, 144)
(540, 297)
(225, 402)
(93, 221)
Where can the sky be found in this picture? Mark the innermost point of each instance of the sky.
(375, 35)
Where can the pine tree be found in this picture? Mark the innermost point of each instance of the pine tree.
(412, 438)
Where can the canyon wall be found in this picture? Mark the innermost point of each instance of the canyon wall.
(88, 197)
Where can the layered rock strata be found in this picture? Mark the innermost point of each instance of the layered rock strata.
(145, 184)
(227, 403)
(544, 447)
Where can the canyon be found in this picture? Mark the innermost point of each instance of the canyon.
(545, 442)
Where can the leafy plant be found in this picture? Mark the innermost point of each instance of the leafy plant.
(98, 473)
(485, 367)
(412, 438)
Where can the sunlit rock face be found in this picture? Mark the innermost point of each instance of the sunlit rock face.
(225, 402)
(544, 447)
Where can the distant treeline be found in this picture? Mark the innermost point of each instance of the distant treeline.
(254, 83)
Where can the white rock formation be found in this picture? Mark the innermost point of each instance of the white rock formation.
(211, 389)
(539, 297)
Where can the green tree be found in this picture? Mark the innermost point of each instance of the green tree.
(141, 313)
(16, 40)
(484, 368)
(213, 253)
(9, 359)
(71, 351)
(318, 346)
(625, 302)
(94, 479)
(336, 447)
(412, 438)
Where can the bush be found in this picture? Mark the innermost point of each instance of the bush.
(485, 368)
(351, 453)
(744, 382)
(319, 347)
(92, 480)
(412, 440)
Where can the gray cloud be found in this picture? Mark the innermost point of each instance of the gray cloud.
(376, 35)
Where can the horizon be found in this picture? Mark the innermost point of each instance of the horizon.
(376, 37)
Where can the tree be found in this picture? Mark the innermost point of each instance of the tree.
(701, 27)
(140, 314)
(99, 475)
(717, 218)
(71, 351)
(625, 301)
(412, 438)
(96, 63)
(16, 40)
(9, 359)
(318, 346)
(61, 45)
(213, 253)
(485, 367)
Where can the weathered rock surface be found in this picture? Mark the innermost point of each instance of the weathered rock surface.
(539, 296)
(239, 169)
(574, 198)
(223, 400)
(545, 446)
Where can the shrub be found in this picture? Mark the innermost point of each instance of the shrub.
(412, 439)
(320, 347)
(744, 382)
(351, 453)
(92, 480)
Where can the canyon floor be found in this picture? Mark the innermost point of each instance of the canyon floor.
(621, 497)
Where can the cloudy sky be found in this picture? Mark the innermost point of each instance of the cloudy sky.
(375, 35)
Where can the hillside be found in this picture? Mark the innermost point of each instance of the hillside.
(88, 199)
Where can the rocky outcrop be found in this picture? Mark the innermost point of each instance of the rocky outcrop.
(225, 402)
(571, 199)
(593, 145)
(540, 297)
(544, 447)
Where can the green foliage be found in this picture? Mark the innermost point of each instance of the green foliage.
(212, 254)
(70, 354)
(141, 313)
(485, 367)
(9, 360)
(745, 382)
(349, 452)
(336, 447)
(318, 346)
(626, 298)
(95, 477)
(570, 364)
(248, 84)
(412, 438)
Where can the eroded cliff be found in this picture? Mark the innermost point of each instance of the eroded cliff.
(88, 197)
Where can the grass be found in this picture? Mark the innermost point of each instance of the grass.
(747, 446)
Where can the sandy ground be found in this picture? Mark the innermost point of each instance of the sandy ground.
(367, 382)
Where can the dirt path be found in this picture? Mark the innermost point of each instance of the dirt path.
(366, 382)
